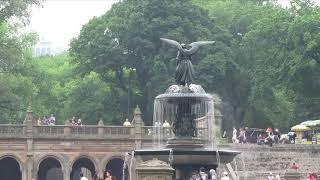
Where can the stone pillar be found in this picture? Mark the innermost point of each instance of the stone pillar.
(23, 171)
(66, 173)
(29, 123)
(30, 169)
(138, 128)
(67, 128)
(29, 135)
(154, 170)
(218, 123)
(101, 130)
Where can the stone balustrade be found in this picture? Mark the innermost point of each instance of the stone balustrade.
(85, 131)
(12, 130)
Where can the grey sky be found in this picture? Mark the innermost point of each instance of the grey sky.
(61, 20)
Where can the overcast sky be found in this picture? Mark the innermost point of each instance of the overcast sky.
(61, 20)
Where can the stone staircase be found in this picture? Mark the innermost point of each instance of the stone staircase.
(257, 161)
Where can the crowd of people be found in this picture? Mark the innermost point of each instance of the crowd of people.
(247, 135)
(310, 175)
(74, 122)
(202, 174)
(47, 121)
(107, 175)
(51, 121)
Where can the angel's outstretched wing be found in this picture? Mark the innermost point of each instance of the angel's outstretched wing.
(195, 46)
(172, 42)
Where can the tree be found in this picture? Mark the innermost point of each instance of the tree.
(14, 55)
(17, 9)
(283, 48)
(128, 37)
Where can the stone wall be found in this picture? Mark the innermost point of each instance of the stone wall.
(256, 161)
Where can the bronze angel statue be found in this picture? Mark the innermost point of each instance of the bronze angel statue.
(184, 70)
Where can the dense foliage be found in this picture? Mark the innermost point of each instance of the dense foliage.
(264, 65)
(15, 54)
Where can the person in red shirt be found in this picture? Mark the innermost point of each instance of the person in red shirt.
(294, 166)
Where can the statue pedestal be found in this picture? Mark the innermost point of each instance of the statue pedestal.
(154, 170)
(292, 175)
(185, 143)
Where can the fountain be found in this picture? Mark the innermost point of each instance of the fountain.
(190, 111)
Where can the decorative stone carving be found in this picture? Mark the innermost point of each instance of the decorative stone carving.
(154, 170)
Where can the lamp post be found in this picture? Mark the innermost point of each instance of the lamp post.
(129, 87)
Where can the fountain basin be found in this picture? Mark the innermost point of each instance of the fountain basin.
(186, 157)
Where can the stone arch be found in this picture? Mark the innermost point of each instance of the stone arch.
(115, 164)
(15, 157)
(57, 170)
(86, 162)
(106, 159)
(12, 168)
(58, 157)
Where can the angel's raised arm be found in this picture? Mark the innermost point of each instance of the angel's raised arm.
(195, 46)
(172, 42)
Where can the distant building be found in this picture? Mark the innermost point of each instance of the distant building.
(46, 48)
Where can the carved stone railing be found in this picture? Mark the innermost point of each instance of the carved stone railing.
(12, 130)
(48, 131)
(83, 132)
(147, 132)
(87, 132)
(202, 133)
(166, 132)
(115, 132)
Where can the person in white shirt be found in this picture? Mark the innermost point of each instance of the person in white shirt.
(213, 174)
(83, 177)
(225, 176)
(203, 174)
(270, 177)
(234, 135)
(52, 120)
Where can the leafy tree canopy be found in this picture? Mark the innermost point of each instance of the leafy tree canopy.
(127, 37)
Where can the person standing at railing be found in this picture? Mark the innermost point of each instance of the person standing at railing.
(39, 122)
(44, 120)
(52, 120)
(234, 135)
(79, 123)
